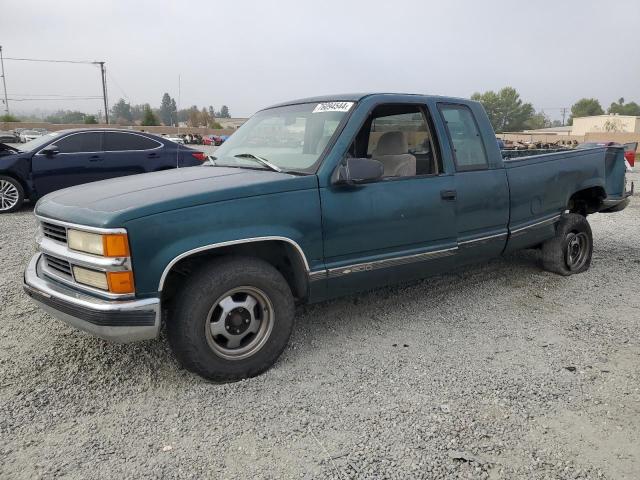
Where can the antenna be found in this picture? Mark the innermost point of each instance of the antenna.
(178, 122)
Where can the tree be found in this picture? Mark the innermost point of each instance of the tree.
(121, 112)
(7, 117)
(90, 119)
(174, 112)
(168, 110)
(585, 107)
(165, 109)
(194, 116)
(66, 116)
(505, 109)
(148, 117)
(137, 113)
(537, 120)
(205, 118)
(224, 112)
(622, 108)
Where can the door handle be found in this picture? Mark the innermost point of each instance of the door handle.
(95, 158)
(448, 194)
(153, 155)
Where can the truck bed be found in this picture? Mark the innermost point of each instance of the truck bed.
(541, 187)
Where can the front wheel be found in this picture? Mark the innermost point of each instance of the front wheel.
(11, 194)
(570, 251)
(232, 319)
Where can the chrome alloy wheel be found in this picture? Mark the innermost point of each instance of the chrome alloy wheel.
(8, 195)
(239, 323)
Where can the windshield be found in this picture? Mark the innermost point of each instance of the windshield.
(38, 142)
(291, 137)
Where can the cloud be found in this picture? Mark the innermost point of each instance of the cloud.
(249, 54)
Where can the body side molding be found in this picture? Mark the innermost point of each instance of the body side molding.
(213, 246)
(541, 223)
(389, 262)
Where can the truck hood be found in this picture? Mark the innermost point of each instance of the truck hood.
(111, 203)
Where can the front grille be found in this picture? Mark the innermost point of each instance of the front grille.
(55, 232)
(59, 266)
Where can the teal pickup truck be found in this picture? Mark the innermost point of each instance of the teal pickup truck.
(308, 200)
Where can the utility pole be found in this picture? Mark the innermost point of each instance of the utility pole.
(4, 83)
(103, 75)
(564, 112)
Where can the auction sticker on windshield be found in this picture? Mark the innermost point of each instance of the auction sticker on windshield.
(333, 107)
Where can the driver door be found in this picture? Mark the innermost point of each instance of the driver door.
(400, 227)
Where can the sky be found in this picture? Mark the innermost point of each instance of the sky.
(249, 54)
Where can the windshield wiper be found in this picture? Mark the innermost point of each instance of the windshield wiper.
(261, 160)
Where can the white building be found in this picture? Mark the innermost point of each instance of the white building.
(563, 130)
(606, 123)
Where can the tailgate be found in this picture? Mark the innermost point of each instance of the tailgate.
(617, 188)
(615, 173)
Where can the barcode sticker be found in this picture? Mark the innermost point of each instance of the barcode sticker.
(333, 107)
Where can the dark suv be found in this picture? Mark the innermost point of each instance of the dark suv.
(72, 157)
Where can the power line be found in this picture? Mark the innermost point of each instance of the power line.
(103, 78)
(119, 87)
(52, 99)
(50, 61)
(50, 95)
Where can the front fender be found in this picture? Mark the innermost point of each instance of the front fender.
(19, 167)
(159, 240)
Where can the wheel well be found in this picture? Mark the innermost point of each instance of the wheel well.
(25, 188)
(587, 201)
(282, 255)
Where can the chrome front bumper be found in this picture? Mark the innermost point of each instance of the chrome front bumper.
(115, 320)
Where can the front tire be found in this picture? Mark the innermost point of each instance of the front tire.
(11, 194)
(570, 251)
(232, 319)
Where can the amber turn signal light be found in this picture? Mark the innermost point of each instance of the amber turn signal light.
(116, 245)
(120, 282)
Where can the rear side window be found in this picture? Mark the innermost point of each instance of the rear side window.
(468, 149)
(116, 141)
(80, 142)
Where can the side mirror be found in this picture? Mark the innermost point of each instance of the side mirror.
(50, 150)
(358, 170)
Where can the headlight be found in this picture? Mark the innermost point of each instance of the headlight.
(91, 278)
(85, 242)
(114, 282)
(110, 245)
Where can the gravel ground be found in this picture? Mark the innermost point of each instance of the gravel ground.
(501, 371)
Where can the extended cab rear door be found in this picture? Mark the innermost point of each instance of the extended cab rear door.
(481, 186)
